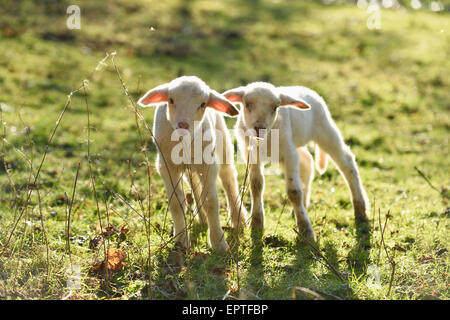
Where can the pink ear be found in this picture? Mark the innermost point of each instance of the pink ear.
(221, 104)
(155, 95)
(291, 101)
(235, 95)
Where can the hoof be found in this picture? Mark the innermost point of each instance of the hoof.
(181, 246)
(182, 241)
(361, 208)
(307, 233)
(361, 218)
(221, 246)
(242, 222)
(257, 222)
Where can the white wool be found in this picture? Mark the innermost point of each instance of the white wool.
(301, 116)
(182, 100)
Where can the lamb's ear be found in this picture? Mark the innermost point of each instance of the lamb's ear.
(154, 96)
(291, 101)
(218, 102)
(235, 95)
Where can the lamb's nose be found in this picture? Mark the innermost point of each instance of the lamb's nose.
(183, 125)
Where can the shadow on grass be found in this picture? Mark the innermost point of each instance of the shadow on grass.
(359, 257)
(255, 274)
(196, 275)
(301, 271)
(191, 274)
(291, 275)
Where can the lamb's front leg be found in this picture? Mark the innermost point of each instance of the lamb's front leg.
(294, 191)
(211, 206)
(171, 175)
(238, 213)
(256, 176)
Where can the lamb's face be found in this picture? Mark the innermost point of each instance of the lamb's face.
(187, 99)
(260, 103)
(259, 112)
(187, 104)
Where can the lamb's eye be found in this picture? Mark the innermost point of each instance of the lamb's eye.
(274, 109)
(249, 106)
(171, 100)
(202, 105)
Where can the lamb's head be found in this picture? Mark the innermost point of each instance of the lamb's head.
(260, 103)
(187, 98)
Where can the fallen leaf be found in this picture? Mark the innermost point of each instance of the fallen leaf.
(232, 289)
(97, 266)
(114, 262)
(425, 259)
(116, 258)
(123, 229)
(108, 231)
(199, 255)
(5, 252)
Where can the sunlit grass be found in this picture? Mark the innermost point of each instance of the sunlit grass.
(388, 91)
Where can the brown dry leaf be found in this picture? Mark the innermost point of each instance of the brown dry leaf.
(425, 259)
(5, 252)
(124, 229)
(232, 289)
(199, 254)
(116, 258)
(114, 262)
(108, 231)
(97, 266)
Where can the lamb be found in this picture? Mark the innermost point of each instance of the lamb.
(301, 116)
(187, 108)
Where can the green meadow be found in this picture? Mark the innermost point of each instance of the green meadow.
(77, 173)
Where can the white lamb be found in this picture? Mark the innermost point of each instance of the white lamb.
(187, 105)
(307, 119)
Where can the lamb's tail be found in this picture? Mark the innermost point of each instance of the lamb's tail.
(321, 160)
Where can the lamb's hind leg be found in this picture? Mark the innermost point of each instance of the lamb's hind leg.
(330, 141)
(291, 164)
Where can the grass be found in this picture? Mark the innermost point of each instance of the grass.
(387, 89)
